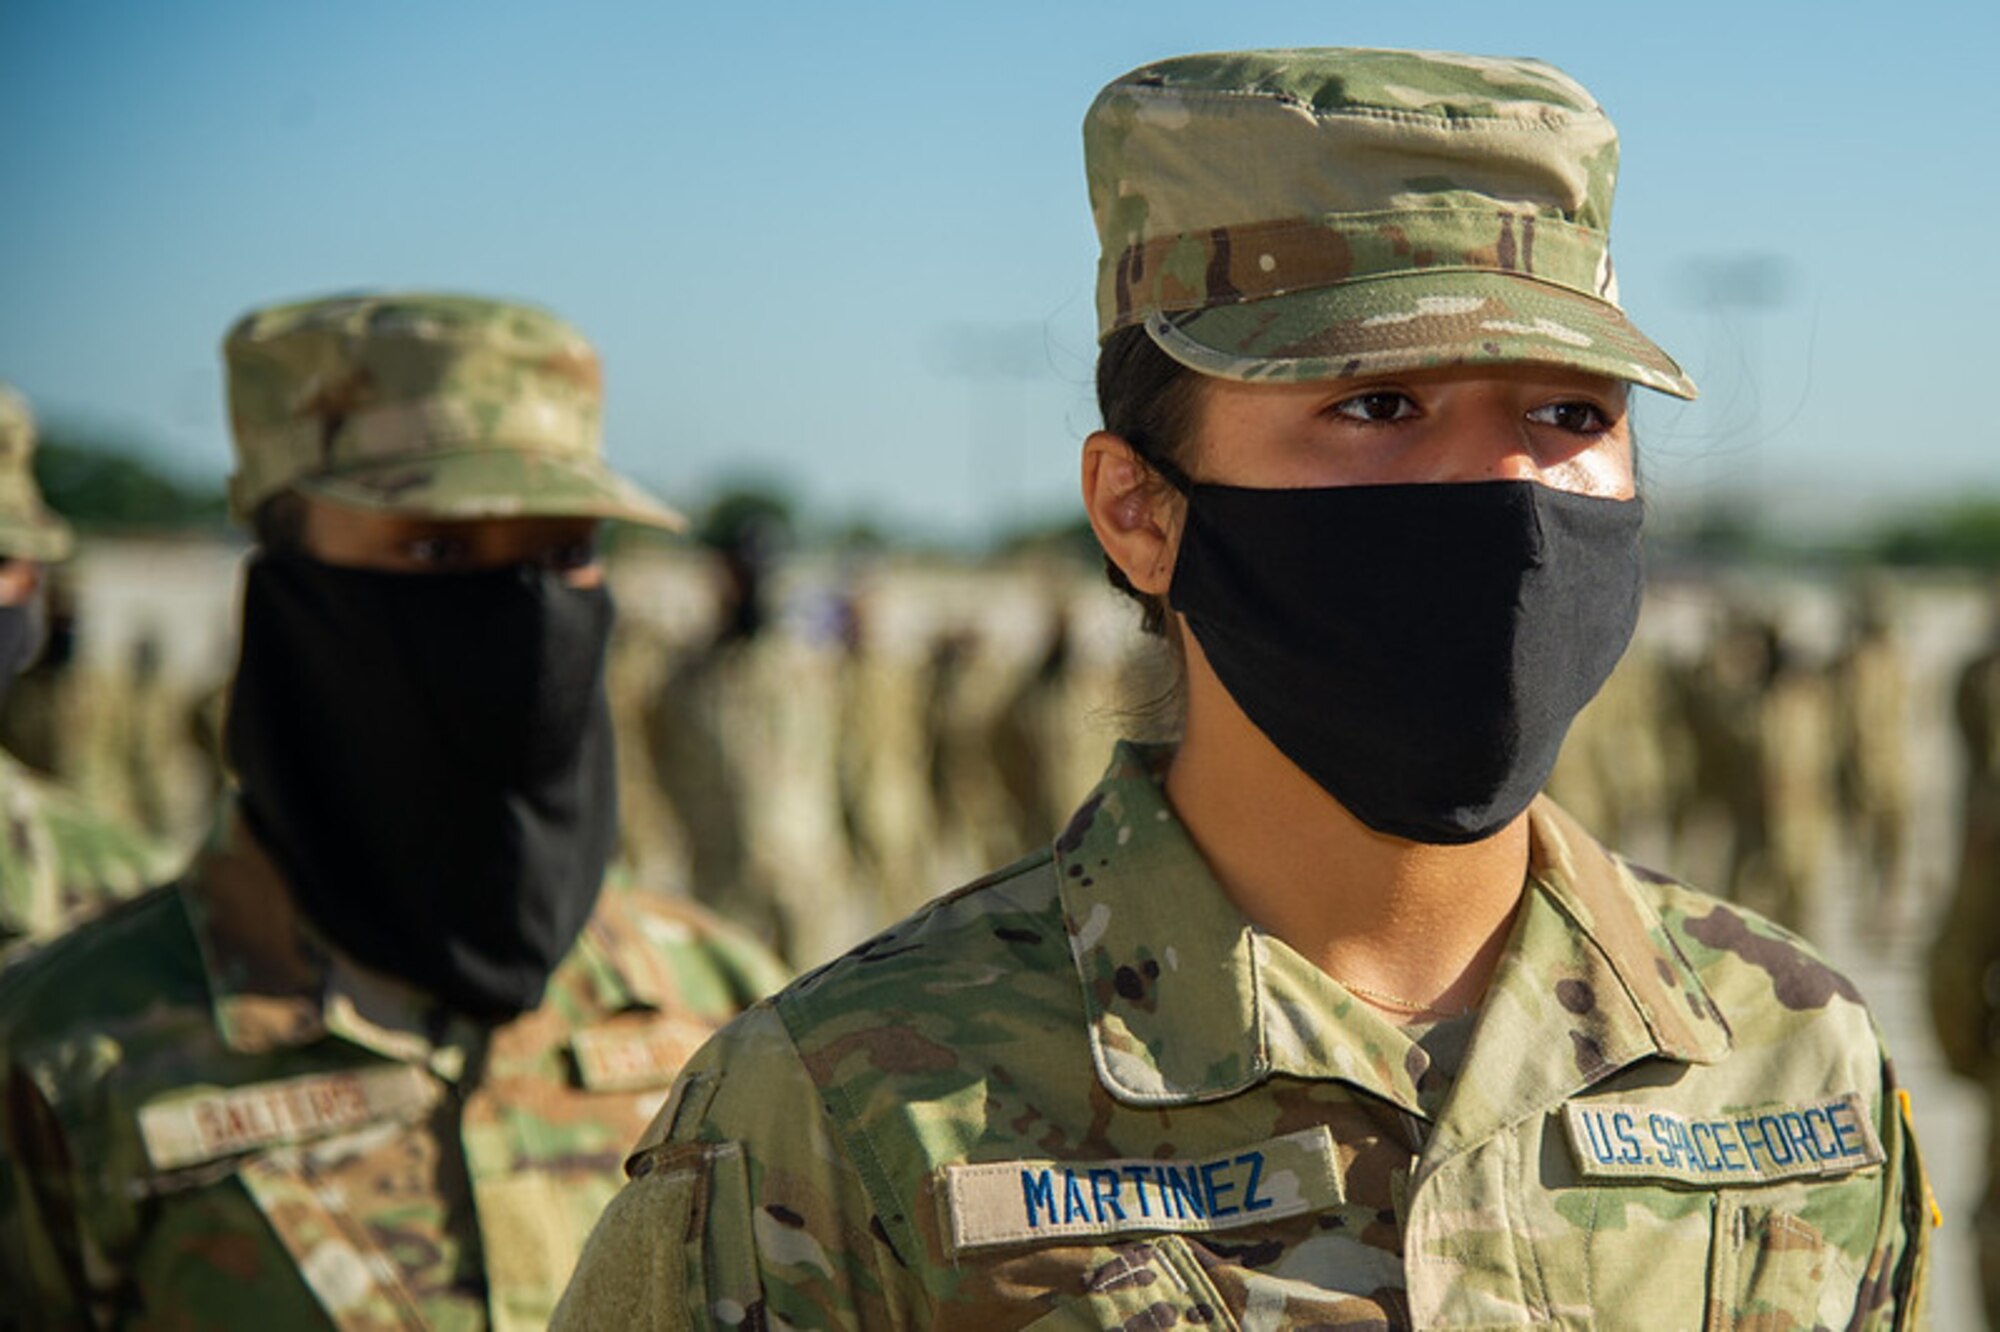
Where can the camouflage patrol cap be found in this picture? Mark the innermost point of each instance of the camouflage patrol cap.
(28, 529)
(1326, 213)
(436, 406)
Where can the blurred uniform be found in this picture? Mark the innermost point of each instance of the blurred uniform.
(311, 1085)
(1965, 960)
(1872, 684)
(1795, 735)
(1612, 772)
(59, 858)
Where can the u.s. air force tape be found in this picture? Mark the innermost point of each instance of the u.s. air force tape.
(1784, 1140)
(206, 1126)
(1007, 1202)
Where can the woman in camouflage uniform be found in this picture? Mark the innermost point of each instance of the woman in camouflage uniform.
(1319, 1018)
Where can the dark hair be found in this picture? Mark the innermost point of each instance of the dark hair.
(1148, 399)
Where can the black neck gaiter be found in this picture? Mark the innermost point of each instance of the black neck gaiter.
(23, 633)
(428, 757)
(1418, 650)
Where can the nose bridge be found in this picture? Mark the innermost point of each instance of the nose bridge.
(1493, 442)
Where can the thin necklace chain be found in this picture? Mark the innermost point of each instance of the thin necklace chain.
(1398, 1004)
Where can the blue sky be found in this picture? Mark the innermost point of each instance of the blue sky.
(847, 245)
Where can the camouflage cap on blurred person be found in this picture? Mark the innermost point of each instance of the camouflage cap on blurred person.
(28, 529)
(431, 405)
(1320, 214)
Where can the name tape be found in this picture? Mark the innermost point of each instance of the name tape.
(636, 1058)
(193, 1129)
(1006, 1202)
(1757, 1146)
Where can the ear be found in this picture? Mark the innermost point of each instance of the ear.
(1137, 516)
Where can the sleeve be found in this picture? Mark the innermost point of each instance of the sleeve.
(742, 1208)
(39, 1266)
(1966, 951)
(1895, 1285)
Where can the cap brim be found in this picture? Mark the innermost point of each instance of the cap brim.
(492, 483)
(1416, 321)
(43, 538)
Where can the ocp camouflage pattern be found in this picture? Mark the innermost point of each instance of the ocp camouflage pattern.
(208, 1117)
(1326, 213)
(1102, 1007)
(61, 860)
(1964, 972)
(442, 405)
(29, 529)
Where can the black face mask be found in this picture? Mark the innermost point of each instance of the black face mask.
(23, 634)
(1419, 650)
(429, 759)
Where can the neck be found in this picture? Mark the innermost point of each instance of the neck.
(1403, 918)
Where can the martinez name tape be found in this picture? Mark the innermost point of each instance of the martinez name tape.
(1622, 1140)
(1006, 1202)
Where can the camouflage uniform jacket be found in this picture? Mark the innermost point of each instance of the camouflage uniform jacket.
(212, 1119)
(60, 859)
(1085, 1093)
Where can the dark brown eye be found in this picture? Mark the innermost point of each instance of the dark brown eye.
(437, 551)
(1384, 405)
(575, 555)
(1578, 418)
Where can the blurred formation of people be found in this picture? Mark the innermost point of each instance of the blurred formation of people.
(60, 858)
(812, 739)
(822, 744)
(1770, 761)
(1965, 959)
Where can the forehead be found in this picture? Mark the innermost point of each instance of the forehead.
(1278, 395)
(342, 529)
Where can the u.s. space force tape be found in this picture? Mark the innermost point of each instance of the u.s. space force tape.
(206, 1125)
(1619, 1139)
(1010, 1202)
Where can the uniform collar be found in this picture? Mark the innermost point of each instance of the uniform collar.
(1189, 1002)
(277, 983)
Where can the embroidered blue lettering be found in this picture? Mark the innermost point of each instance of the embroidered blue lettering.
(1597, 1135)
(1137, 1174)
(1251, 1202)
(1775, 1142)
(1710, 1164)
(1752, 1138)
(1662, 1130)
(1821, 1150)
(1185, 1187)
(1845, 1127)
(1075, 1208)
(1215, 1192)
(1634, 1152)
(1772, 1131)
(1685, 1143)
(1104, 1194)
(1038, 1189)
(1727, 1147)
(1800, 1138)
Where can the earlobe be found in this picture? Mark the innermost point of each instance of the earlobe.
(1135, 516)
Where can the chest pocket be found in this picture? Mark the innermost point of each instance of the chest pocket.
(1718, 1222)
(1141, 1286)
(1771, 1254)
